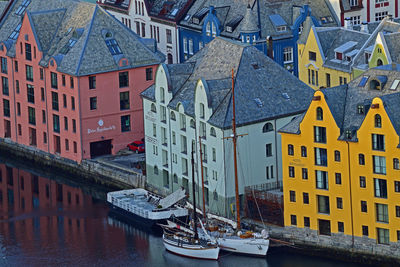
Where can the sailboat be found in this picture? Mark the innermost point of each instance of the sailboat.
(249, 243)
(184, 241)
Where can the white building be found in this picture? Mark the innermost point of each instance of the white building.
(359, 11)
(194, 99)
(152, 19)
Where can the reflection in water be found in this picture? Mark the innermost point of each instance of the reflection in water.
(50, 221)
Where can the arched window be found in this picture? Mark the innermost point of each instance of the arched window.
(320, 114)
(153, 108)
(379, 62)
(214, 30)
(170, 58)
(212, 132)
(202, 110)
(192, 123)
(162, 95)
(268, 127)
(175, 178)
(155, 170)
(396, 164)
(173, 116)
(290, 150)
(208, 29)
(378, 121)
(303, 151)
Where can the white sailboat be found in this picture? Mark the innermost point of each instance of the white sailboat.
(249, 243)
(186, 242)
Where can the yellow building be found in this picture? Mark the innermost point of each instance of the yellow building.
(341, 170)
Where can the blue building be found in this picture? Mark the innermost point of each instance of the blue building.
(273, 27)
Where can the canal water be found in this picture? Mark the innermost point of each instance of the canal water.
(50, 220)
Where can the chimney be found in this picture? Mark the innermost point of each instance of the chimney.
(347, 24)
(364, 27)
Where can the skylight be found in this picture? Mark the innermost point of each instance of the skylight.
(113, 47)
(68, 46)
(286, 96)
(15, 33)
(258, 102)
(394, 85)
(363, 81)
(173, 13)
(21, 9)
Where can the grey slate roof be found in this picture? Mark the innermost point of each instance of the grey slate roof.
(56, 22)
(343, 102)
(256, 76)
(227, 10)
(167, 9)
(335, 37)
(249, 23)
(393, 45)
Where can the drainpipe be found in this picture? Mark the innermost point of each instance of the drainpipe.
(79, 121)
(170, 150)
(276, 155)
(47, 110)
(351, 196)
(15, 112)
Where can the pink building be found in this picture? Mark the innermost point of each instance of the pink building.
(71, 76)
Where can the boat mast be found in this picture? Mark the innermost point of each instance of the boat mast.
(196, 236)
(234, 140)
(202, 178)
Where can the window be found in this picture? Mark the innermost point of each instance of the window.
(328, 80)
(312, 56)
(382, 214)
(56, 123)
(18, 109)
(361, 159)
(287, 54)
(383, 235)
(182, 122)
(321, 179)
(92, 82)
(172, 116)
(267, 127)
(41, 71)
(306, 199)
(54, 81)
(290, 150)
(162, 95)
(319, 134)
(339, 203)
(66, 144)
(293, 219)
(4, 83)
(93, 103)
(292, 196)
(72, 103)
(303, 151)
(380, 15)
(338, 178)
(398, 211)
(378, 142)
(71, 81)
(149, 74)
(337, 155)
(28, 52)
(306, 221)
(54, 100)
(113, 46)
(31, 115)
(363, 183)
(212, 132)
(365, 230)
(320, 114)
(304, 173)
(153, 108)
(43, 116)
(190, 46)
(123, 79)
(31, 93)
(125, 123)
(291, 171)
(63, 80)
(340, 227)
(169, 36)
(364, 207)
(378, 121)
(74, 125)
(268, 150)
(379, 164)
(321, 157)
(323, 204)
(6, 108)
(214, 154)
(17, 86)
(124, 100)
(3, 65)
(214, 29)
(397, 186)
(29, 73)
(313, 77)
(380, 186)
(396, 164)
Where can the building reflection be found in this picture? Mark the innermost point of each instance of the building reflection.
(42, 215)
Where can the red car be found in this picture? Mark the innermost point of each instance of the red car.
(137, 146)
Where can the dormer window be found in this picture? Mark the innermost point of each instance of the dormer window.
(208, 29)
(360, 109)
(247, 39)
(367, 56)
(374, 85)
(348, 134)
(202, 110)
(214, 30)
(21, 9)
(339, 56)
(320, 114)
(348, 58)
(281, 28)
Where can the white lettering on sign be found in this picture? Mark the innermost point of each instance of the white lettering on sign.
(101, 129)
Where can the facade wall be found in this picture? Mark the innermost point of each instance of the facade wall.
(356, 219)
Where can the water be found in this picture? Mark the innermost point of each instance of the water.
(50, 220)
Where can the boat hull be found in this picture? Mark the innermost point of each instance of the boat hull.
(248, 246)
(136, 219)
(194, 251)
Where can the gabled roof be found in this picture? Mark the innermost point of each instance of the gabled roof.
(74, 33)
(344, 101)
(256, 77)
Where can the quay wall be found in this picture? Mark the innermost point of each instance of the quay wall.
(92, 171)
